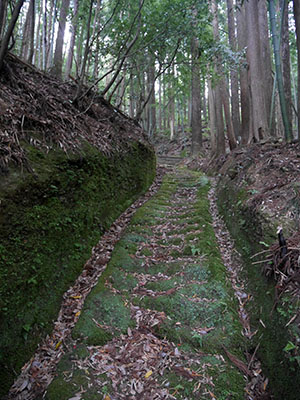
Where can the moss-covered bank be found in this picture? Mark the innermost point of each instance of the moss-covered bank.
(252, 232)
(50, 219)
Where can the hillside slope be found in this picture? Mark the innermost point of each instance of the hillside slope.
(66, 172)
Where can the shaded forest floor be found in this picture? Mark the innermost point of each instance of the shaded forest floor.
(163, 321)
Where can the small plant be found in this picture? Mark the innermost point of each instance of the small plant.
(198, 338)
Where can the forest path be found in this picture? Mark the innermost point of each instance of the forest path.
(163, 314)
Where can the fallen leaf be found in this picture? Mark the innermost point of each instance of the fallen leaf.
(238, 363)
(58, 344)
(148, 374)
(23, 386)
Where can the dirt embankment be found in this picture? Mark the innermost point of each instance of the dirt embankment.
(67, 171)
(259, 193)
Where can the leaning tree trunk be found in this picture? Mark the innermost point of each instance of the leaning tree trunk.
(8, 33)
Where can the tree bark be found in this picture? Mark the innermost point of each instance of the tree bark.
(58, 55)
(235, 109)
(27, 46)
(266, 61)
(221, 86)
(196, 98)
(32, 28)
(243, 71)
(297, 23)
(3, 9)
(152, 102)
(50, 34)
(279, 71)
(256, 75)
(286, 66)
(6, 38)
(74, 26)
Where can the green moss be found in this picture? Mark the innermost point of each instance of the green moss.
(201, 313)
(50, 220)
(248, 228)
(121, 282)
(104, 316)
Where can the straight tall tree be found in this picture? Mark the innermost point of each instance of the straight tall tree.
(243, 72)
(58, 55)
(297, 23)
(196, 122)
(257, 95)
(235, 109)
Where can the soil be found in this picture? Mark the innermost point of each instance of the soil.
(40, 110)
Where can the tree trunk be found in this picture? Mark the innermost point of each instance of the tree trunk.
(286, 66)
(6, 38)
(283, 108)
(171, 108)
(266, 61)
(37, 52)
(26, 33)
(256, 75)
(216, 120)
(72, 41)
(160, 105)
(32, 27)
(196, 100)
(244, 84)
(3, 10)
(297, 23)
(44, 39)
(58, 55)
(50, 34)
(221, 86)
(152, 102)
(235, 109)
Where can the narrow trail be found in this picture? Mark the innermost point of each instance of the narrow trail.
(165, 320)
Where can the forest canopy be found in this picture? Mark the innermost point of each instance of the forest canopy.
(227, 71)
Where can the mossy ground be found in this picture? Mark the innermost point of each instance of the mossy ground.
(160, 269)
(50, 219)
(249, 229)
